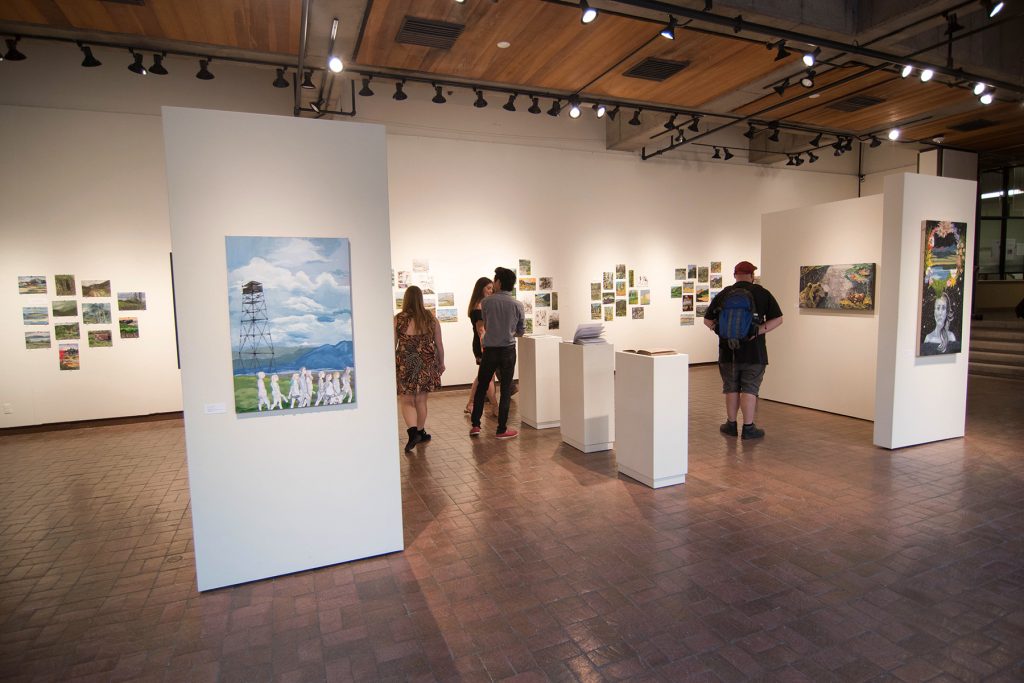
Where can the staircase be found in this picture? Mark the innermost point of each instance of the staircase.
(997, 348)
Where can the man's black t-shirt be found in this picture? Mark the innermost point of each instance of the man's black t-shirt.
(767, 308)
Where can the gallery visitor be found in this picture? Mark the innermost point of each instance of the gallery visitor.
(741, 315)
(941, 339)
(504, 320)
(419, 359)
(484, 287)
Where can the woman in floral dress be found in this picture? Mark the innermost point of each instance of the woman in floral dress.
(419, 357)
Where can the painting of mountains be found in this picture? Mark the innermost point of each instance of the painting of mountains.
(290, 306)
(95, 288)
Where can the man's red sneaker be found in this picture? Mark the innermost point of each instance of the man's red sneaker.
(508, 434)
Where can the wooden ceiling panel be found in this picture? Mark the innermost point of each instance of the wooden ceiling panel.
(801, 101)
(1008, 131)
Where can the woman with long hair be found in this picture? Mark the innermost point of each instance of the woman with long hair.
(483, 288)
(419, 357)
(941, 339)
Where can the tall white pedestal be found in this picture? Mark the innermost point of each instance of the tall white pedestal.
(587, 396)
(538, 380)
(651, 394)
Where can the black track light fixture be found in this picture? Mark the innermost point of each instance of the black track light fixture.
(511, 104)
(751, 132)
(848, 145)
(365, 91)
(694, 126)
(669, 32)
(728, 154)
(307, 80)
(789, 160)
(136, 66)
(438, 97)
(587, 13)
(808, 79)
(600, 110)
(811, 57)
(817, 140)
(812, 157)
(534, 105)
(635, 121)
(780, 50)
(280, 81)
(680, 139)
(717, 154)
(875, 142)
(13, 54)
(774, 127)
(574, 107)
(799, 160)
(614, 112)
(317, 106)
(480, 102)
(671, 123)
(780, 88)
(157, 67)
(556, 108)
(399, 91)
(992, 8)
(952, 25)
(204, 73)
(88, 60)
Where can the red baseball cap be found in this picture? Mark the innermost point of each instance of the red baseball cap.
(744, 268)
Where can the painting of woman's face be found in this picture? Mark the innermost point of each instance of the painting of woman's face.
(940, 311)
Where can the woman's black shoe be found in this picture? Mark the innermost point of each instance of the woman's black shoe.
(424, 436)
(414, 438)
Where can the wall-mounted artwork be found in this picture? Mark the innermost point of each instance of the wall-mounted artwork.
(540, 317)
(68, 356)
(608, 298)
(716, 267)
(39, 339)
(68, 331)
(702, 309)
(688, 302)
(128, 327)
(680, 274)
(404, 279)
(31, 284)
(634, 297)
(95, 288)
(65, 309)
(595, 291)
(525, 267)
(35, 315)
(691, 271)
(609, 313)
(290, 306)
(702, 274)
(425, 281)
(554, 320)
(445, 299)
(676, 292)
(527, 301)
(645, 297)
(100, 338)
(637, 312)
(131, 301)
(620, 271)
(527, 284)
(64, 285)
(95, 314)
(430, 302)
(716, 281)
(528, 326)
(686, 320)
(542, 300)
(632, 278)
(620, 308)
(554, 301)
(546, 283)
(703, 295)
(447, 315)
(849, 286)
(688, 287)
(420, 265)
(608, 281)
(620, 288)
(942, 288)
(595, 312)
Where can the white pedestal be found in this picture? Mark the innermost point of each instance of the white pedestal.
(651, 409)
(587, 382)
(538, 380)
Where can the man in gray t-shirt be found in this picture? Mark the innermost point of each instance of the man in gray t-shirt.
(504, 320)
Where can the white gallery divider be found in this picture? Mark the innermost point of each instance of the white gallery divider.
(919, 398)
(291, 490)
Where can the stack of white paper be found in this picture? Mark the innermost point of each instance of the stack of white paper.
(589, 333)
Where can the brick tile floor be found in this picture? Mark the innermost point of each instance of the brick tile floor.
(808, 556)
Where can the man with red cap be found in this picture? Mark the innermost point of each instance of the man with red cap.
(742, 314)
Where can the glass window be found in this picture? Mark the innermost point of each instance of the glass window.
(991, 186)
(1016, 191)
(988, 249)
(1015, 249)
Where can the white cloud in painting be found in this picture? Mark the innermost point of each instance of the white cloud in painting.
(296, 252)
(304, 304)
(306, 330)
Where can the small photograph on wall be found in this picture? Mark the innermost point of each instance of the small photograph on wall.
(620, 271)
(128, 327)
(609, 313)
(595, 312)
(420, 265)
(691, 271)
(688, 287)
(680, 274)
(942, 288)
(677, 292)
(132, 301)
(67, 331)
(290, 309)
(716, 282)
(638, 312)
(686, 320)
(608, 298)
(716, 267)
(542, 300)
(645, 297)
(553, 320)
(65, 309)
(702, 274)
(540, 317)
(38, 339)
(95, 288)
(620, 288)
(68, 356)
(608, 280)
(595, 291)
(31, 284)
(849, 286)
(525, 268)
(688, 302)
(35, 315)
(447, 315)
(64, 285)
(100, 338)
(554, 301)
(620, 308)
(445, 299)
(634, 297)
(703, 295)
(527, 284)
(545, 283)
(702, 309)
(96, 314)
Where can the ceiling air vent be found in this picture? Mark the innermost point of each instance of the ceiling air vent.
(855, 103)
(976, 124)
(654, 69)
(429, 32)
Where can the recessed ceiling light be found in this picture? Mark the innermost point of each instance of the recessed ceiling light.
(503, 44)
(814, 96)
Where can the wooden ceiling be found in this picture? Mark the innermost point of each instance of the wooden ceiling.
(551, 51)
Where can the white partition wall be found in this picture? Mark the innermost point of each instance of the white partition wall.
(919, 399)
(287, 492)
(821, 359)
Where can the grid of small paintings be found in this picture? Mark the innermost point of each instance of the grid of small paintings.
(442, 304)
(695, 286)
(539, 298)
(68, 315)
(621, 293)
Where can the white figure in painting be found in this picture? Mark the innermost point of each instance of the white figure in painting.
(261, 391)
(275, 393)
(345, 395)
(305, 391)
(320, 394)
(328, 390)
(309, 388)
(295, 390)
(337, 387)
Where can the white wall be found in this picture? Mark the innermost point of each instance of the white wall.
(920, 399)
(819, 358)
(280, 493)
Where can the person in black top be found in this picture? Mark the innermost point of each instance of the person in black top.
(484, 287)
(742, 369)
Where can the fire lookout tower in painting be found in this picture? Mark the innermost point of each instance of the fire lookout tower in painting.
(255, 343)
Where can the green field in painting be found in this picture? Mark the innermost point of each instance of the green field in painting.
(245, 393)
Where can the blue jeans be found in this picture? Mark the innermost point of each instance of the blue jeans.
(502, 360)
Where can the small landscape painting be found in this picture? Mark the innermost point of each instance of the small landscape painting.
(595, 291)
(525, 267)
(68, 356)
(64, 285)
(35, 315)
(37, 339)
(100, 338)
(95, 288)
(595, 312)
(545, 283)
(686, 320)
(96, 314)
(680, 274)
(447, 315)
(128, 327)
(69, 331)
(527, 284)
(31, 284)
(131, 301)
(638, 312)
(65, 309)
(543, 300)
(445, 299)
(554, 320)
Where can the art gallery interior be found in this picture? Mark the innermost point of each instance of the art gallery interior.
(153, 530)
